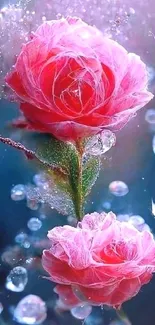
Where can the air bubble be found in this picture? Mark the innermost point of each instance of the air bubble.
(81, 312)
(31, 310)
(34, 224)
(150, 116)
(118, 188)
(17, 279)
(18, 192)
(100, 143)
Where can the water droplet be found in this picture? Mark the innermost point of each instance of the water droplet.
(136, 221)
(81, 312)
(40, 179)
(72, 221)
(118, 188)
(34, 224)
(26, 244)
(42, 216)
(94, 320)
(131, 11)
(153, 144)
(17, 279)
(100, 143)
(18, 192)
(151, 74)
(150, 116)
(1, 308)
(123, 217)
(20, 238)
(146, 227)
(31, 310)
(12, 255)
(32, 204)
(106, 205)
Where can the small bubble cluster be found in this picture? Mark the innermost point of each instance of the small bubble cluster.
(43, 192)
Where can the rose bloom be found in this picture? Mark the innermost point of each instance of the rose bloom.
(103, 260)
(72, 82)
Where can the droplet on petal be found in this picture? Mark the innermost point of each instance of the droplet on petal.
(31, 310)
(18, 192)
(100, 143)
(150, 116)
(34, 224)
(136, 221)
(17, 279)
(118, 188)
(123, 217)
(81, 312)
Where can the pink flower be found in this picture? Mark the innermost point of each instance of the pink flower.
(72, 82)
(105, 261)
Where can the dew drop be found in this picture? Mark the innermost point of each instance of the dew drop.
(17, 279)
(100, 143)
(31, 310)
(118, 188)
(34, 224)
(150, 116)
(81, 312)
(136, 221)
(18, 192)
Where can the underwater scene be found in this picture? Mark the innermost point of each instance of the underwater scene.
(77, 162)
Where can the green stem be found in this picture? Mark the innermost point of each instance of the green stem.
(79, 197)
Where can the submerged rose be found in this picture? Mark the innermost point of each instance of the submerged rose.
(72, 81)
(105, 261)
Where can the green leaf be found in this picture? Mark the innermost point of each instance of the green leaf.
(59, 159)
(63, 162)
(90, 174)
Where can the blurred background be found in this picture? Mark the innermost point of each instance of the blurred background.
(132, 160)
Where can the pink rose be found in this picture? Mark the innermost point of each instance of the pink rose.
(72, 82)
(104, 260)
